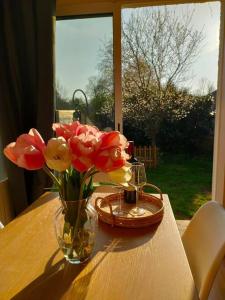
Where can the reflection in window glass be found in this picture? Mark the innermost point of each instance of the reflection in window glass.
(84, 71)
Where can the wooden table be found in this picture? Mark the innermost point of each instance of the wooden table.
(127, 264)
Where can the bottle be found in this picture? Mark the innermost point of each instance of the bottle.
(130, 196)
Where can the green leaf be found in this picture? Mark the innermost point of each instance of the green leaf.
(88, 188)
(97, 184)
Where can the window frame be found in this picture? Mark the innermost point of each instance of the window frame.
(87, 7)
(218, 178)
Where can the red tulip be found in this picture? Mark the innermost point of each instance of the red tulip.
(113, 139)
(73, 129)
(111, 153)
(83, 149)
(66, 130)
(27, 151)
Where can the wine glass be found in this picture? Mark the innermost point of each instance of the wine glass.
(138, 180)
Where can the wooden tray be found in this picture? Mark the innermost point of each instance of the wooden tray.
(107, 206)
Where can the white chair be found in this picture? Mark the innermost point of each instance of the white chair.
(204, 243)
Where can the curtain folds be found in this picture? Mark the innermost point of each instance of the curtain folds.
(26, 85)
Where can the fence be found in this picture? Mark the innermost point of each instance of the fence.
(147, 154)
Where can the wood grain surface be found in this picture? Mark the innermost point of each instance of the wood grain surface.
(148, 263)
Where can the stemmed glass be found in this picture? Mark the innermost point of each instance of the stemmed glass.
(138, 180)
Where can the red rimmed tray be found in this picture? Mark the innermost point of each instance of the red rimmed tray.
(153, 206)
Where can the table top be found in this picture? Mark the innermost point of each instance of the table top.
(147, 263)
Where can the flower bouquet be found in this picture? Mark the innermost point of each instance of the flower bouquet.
(71, 159)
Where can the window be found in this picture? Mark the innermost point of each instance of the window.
(85, 88)
(67, 8)
(169, 81)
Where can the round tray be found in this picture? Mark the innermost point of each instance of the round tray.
(107, 206)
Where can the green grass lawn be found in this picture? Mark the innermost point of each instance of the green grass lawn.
(186, 180)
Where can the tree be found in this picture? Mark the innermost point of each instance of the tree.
(167, 44)
(158, 51)
(61, 100)
(101, 103)
(100, 89)
(195, 132)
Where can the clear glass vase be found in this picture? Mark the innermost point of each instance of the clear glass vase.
(75, 224)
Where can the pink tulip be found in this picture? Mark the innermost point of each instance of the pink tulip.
(66, 130)
(110, 159)
(113, 139)
(87, 129)
(73, 129)
(27, 151)
(111, 153)
(83, 149)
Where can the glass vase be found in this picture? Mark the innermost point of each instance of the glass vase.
(75, 224)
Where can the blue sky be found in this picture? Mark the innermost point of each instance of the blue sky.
(77, 50)
(78, 42)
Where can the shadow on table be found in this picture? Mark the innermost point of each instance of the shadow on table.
(63, 279)
(116, 239)
(60, 280)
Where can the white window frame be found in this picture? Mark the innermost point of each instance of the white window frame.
(218, 182)
(82, 7)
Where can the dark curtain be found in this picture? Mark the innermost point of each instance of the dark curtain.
(26, 85)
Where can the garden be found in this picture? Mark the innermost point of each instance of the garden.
(186, 179)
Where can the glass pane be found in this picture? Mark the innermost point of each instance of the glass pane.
(169, 63)
(84, 71)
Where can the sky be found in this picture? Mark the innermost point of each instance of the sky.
(78, 44)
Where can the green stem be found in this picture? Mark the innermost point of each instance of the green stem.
(56, 181)
(75, 230)
(64, 182)
(53, 177)
(89, 173)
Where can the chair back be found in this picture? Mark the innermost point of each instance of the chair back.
(204, 243)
